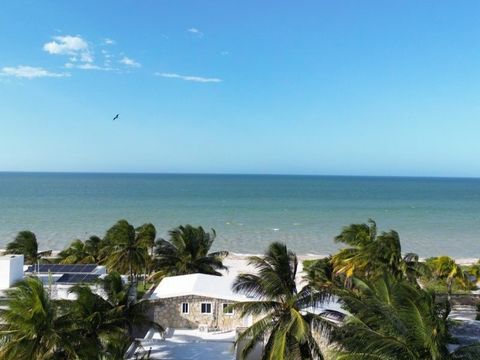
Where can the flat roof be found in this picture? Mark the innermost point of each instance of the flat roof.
(62, 268)
(10, 256)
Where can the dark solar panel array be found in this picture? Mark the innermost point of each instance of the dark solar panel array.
(62, 269)
(77, 278)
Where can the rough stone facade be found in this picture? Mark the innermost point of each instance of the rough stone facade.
(168, 312)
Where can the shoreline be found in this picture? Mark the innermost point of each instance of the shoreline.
(235, 256)
(302, 257)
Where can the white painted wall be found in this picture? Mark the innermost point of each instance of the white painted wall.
(11, 270)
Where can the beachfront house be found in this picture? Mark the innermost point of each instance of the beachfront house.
(197, 301)
(59, 278)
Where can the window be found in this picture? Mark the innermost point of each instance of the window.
(227, 311)
(184, 308)
(206, 308)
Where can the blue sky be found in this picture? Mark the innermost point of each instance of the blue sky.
(306, 87)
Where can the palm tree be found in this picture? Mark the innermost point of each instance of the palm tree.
(147, 235)
(32, 328)
(187, 252)
(445, 268)
(124, 251)
(393, 319)
(283, 320)
(369, 254)
(26, 244)
(320, 274)
(80, 252)
(107, 321)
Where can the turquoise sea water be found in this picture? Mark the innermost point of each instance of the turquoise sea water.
(433, 215)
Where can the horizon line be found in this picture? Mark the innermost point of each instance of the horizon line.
(234, 174)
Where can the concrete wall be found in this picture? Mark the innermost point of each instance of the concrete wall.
(11, 270)
(168, 313)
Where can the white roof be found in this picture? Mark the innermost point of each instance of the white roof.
(218, 287)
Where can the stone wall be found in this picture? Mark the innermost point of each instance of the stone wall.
(168, 313)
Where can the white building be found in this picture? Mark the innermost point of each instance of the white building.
(59, 278)
(11, 270)
(198, 301)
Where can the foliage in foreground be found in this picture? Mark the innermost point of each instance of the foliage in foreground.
(285, 324)
(35, 327)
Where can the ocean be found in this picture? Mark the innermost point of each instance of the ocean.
(434, 216)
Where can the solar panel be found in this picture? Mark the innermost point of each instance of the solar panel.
(62, 269)
(77, 278)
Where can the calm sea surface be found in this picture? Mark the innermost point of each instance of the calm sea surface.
(433, 216)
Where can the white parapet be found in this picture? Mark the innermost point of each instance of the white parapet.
(11, 270)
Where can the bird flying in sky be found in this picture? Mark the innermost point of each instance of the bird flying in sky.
(116, 117)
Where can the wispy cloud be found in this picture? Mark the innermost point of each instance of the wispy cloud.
(66, 45)
(108, 41)
(129, 62)
(224, 53)
(75, 47)
(189, 78)
(89, 66)
(195, 32)
(29, 72)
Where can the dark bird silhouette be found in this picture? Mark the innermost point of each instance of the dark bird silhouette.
(116, 117)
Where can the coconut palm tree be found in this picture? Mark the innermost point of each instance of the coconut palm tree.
(147, 235)
(370, 254)
(124, 251)
(80, 252)
(283, 321)
(320, 274)
(32, 327)
(393, 319)
(390, 319)
(188, 251)
(445, 268)
(110, 316)
(26, 244)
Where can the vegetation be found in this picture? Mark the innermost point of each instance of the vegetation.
(389, 308)
(286, 326)
(446, 270)
(125, 249)
(188, 251)
(391, 319)
(369, 254)
(385, 313)
(33, 327)
(36, 327)
(26, 244)
(80, 252)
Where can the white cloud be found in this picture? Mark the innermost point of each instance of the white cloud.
(66, 45)
(86, 57)
(69, 65)
(29, 72)
(189, 78)
(75, 47)
(129, 62)
(108, 41)
(195, 32)
(106, 54)
(224, 53)
(88, 66)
